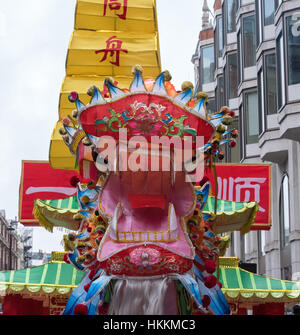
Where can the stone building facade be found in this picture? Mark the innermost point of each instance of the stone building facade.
(10, 256)
(248, 58)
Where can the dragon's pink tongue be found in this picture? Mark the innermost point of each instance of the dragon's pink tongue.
(147, 201)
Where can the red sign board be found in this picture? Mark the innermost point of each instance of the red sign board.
(40, 181)
(236, 182)
(245, 183)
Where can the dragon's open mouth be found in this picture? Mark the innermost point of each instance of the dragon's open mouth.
(150, 224)
(147, 207)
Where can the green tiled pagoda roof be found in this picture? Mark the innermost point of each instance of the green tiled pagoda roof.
(241, 285)
(231, 215)
(54, 276)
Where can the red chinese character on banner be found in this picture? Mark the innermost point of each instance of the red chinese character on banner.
(113, 47)
(115, 5)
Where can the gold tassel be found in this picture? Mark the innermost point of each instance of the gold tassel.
(41, 219)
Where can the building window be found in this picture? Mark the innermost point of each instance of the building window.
(269, 10)
(262, 121)
(231, 9)
(277, 3)
(220, 93)
(251, 117)
(286, 273)
(232, 76)
(261, 235)
(240, 58)
(211, 106)
(208, 64)
(284, 214)
(280, 71)
(233, 154)
(267, 89)
(219, 38)
(270, 87)
(293, 48)
(258, 22)
(249, 41)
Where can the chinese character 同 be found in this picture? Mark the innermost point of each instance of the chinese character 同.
(115, 5)
(113, 47)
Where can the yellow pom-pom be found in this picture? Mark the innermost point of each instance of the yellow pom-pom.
(90, 90)
(62, 131)
(78, 217)
(221, 129)
(109, 80)
(167, 76)
(227, 119)
(136, 68)
(187, 85)
(81, 259)
(85, 199)
(86, 141)
(201, 95)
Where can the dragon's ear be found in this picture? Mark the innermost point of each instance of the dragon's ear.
(202, 192)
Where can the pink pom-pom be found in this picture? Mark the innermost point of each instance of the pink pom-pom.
(206, 301)
(232, 144)
(66, 258)
(210, 281)
(66, 121)
(210, 266)
(81, 309)
(73, 96)
(74, 181)
(92, 274)
(103, 309)
(86, 287)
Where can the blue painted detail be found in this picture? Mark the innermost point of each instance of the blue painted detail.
(184, 97)
(218, 301)
(200, 108)
(79, 105)
(77, 296)
(192, 287)
(97, 98)
(159, 86)
(98, 287)
(138, 84)
(72, 257)
(114, 91)
(205, 192)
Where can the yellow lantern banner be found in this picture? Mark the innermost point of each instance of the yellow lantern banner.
(80, 84)
(59, 154)
(110, 36)
(119, 15)
(112, 53)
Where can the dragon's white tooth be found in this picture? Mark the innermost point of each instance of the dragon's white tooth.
(114, 222)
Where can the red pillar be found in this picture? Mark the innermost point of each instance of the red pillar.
(242, 311)
(15, 304)
(269, 309)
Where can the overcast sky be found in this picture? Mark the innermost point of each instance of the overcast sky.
(34, 36)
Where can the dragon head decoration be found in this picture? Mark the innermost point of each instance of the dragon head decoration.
(140, 231)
